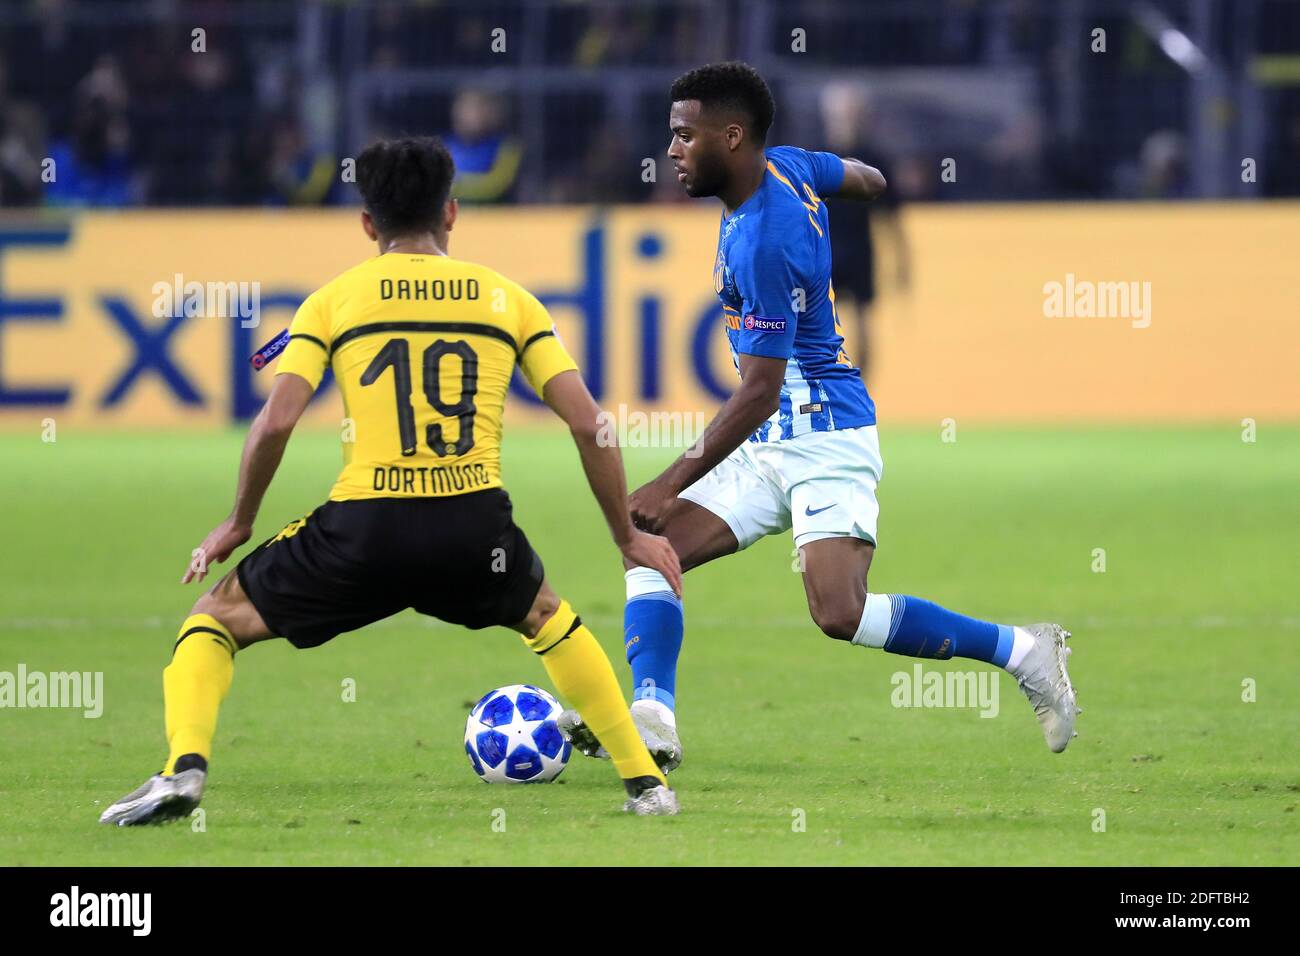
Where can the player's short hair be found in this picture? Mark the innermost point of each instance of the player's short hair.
(731, 85)
(405, 183)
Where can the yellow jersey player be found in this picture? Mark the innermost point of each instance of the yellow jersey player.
(423, 347)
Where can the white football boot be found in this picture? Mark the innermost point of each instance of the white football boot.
(658, 728)
(653, 721)
(158, 799)
(647, 797)
(1043, 678)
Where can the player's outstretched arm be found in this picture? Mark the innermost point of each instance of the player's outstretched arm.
(567, 395)
(263, 450)
(861, 182)
(747, 408)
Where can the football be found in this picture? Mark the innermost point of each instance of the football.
(511, 736)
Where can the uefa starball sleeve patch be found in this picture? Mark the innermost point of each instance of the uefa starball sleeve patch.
(757, 323)
(269, 351)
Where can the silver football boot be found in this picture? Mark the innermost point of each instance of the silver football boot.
(1043, 678)
(159, 799)
(659, 736)
(647, 797)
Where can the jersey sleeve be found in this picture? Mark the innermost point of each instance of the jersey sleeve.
(542, 355)
(827, 172)
(308, 351)
(772, 296)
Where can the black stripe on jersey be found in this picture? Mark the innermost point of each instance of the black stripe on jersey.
(534, 338)
(473, 328)
(309, 338)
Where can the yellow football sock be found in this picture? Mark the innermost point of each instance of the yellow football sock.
(582, 674)
(194, 684)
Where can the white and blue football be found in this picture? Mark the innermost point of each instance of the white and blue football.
(511, 736)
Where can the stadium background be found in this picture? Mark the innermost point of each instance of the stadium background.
(556, 110)
(1137, 483)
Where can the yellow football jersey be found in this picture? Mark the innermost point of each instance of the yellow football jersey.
(423, 348)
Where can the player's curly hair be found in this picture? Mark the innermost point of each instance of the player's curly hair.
(731, 85)
(405, 183)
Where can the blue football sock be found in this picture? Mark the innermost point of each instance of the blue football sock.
(921, 628)
(652, 635)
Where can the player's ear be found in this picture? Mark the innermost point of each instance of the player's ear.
(449, 212)
(368, 225)
(735, 135)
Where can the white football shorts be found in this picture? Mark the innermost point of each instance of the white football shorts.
(821, 484)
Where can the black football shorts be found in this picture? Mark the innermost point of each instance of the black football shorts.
(349, 563)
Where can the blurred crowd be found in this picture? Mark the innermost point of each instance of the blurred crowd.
(258, 102)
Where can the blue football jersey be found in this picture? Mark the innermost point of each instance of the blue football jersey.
(773, 275)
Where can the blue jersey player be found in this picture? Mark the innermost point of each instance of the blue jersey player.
(795, 447)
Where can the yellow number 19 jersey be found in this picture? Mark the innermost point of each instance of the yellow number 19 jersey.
(423, 348)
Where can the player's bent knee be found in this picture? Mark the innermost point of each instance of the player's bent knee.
(836, 619)
(207, 604)
(228, 603)
(544, 607)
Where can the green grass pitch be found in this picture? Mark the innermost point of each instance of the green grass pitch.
(781, 726)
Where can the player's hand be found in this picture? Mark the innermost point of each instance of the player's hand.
(649, 506)
(216, 547)
(651, 551)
